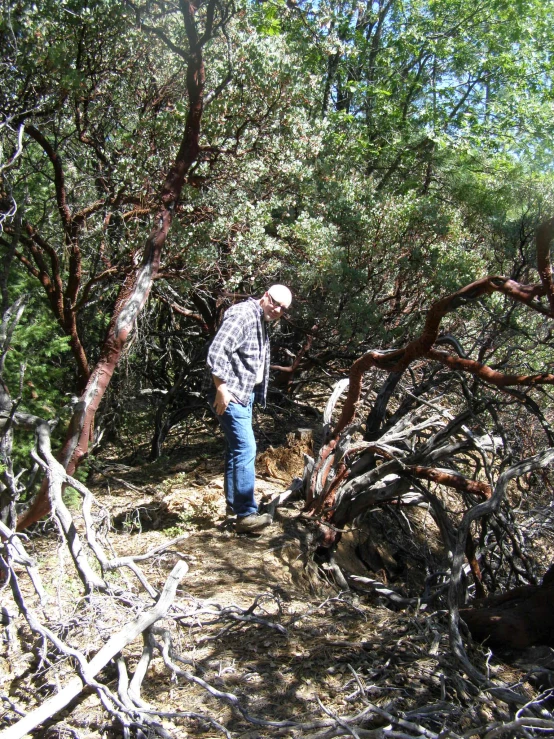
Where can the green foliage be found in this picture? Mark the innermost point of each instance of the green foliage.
(266, 18)
(38, 366)
(373, 156)
(38, 370)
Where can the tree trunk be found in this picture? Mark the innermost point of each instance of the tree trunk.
(136, 288)
(517, 619)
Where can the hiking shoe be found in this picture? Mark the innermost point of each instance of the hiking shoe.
(254, 522)
(229, 511)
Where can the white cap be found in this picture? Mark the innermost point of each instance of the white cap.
(281, 294)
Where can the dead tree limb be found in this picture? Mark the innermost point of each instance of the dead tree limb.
(114, 645)
(56, 476)
(487, 507)
(16, 553)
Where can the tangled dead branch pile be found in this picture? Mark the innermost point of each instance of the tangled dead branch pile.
(90, 644)
(445, 433)
(391, 680)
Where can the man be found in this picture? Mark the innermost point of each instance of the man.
(238, 361)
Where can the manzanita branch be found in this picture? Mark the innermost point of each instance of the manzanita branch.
(137, 285)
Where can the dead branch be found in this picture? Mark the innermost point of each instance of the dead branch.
(291, 493)
(15, 552)
(473, 514)
(56, 476)
(114, 645)
(374, 586)
(109, 565)
(338, 390)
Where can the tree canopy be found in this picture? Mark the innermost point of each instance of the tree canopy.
(390, 160)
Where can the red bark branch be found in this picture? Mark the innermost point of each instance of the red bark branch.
(62, 306)
(71, 227)
(544, 235)
(59, 179)
(400, 359)
(50, 279)
(451, 480)
(487, 374)
(136, 287)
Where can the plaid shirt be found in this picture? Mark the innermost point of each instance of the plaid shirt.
(238, 349)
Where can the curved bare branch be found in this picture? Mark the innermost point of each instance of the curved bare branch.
(399, 359)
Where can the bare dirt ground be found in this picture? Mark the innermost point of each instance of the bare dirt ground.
(255, 618)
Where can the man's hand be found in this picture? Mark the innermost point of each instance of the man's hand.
(223, 397)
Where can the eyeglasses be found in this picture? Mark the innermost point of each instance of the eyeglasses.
(275, 304)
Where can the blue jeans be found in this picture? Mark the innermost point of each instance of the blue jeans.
(240, 456)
